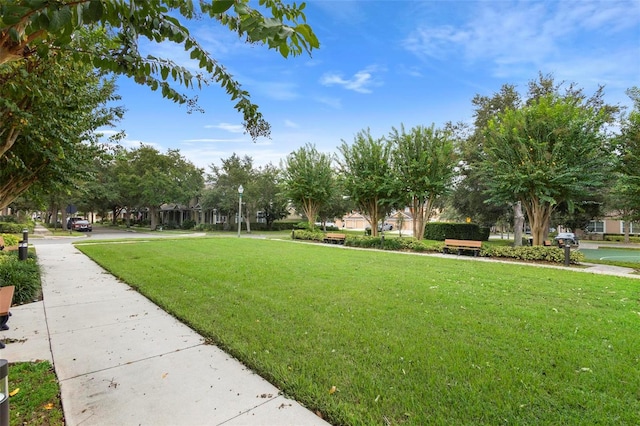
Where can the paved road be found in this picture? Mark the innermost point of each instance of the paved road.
(102, 233)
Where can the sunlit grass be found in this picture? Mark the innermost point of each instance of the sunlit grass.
(405, 339)
(36, 395)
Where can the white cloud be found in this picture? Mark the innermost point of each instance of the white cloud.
(290, 124)
(514, 40)
(360, 82)
(231, 128)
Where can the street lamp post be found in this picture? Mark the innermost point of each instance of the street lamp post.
(240, 191)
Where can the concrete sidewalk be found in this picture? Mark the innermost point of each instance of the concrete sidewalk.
(121, 360)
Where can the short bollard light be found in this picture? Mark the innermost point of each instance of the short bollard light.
(567, 254)
(23, 249)
(4, 392)
(25, 235)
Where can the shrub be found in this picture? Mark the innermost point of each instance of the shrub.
(23, 274)
(620, 238)
(439, 231)
(11, 239)
(423, 245)
(301, 234)
(11, 227)
(535, 253)
(188, 224)
(410, 244)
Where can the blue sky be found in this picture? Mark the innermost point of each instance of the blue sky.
(382, 64)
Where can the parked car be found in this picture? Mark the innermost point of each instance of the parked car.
(82, 226)
(385, 227)
(73, 220)
(566, 238)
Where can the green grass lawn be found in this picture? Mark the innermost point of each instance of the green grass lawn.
(36, 395)
(405, 339)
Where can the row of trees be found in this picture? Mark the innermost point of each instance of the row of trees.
(551, 154)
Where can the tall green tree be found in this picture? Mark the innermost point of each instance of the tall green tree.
(49, 139)
(156, 178)
(625, 194)
(269, 197)
(470, 197)
(549, 151)
(223, 182)
(307, 178)
(367, 176)
(338, 205)
(35, 27)
(424, 161)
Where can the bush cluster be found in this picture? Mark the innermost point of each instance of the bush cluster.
(12, 227)
(526, 253)
(188, 224)
(439, 231)
(410, 244)
(620, 238)
(535, 253)
(23, 274)
(11, 239)
(303, 234)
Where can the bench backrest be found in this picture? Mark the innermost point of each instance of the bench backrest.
(463, 243)
(6, 299)
(333, 235)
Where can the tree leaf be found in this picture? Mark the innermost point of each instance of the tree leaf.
(59, 19)
(220, 6)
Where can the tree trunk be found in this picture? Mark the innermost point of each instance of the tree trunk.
(539, 214)
(518, 224)
(153, 214)
(63, 219)
(247, 221)
(372, 215)
(425, 211)
(310, 210)
(627, 230)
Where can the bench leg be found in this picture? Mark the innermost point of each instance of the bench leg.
(3, 324)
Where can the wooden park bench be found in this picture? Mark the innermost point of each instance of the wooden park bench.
(461, 245)
(6, 299)
(334, 238)
(4, 247)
